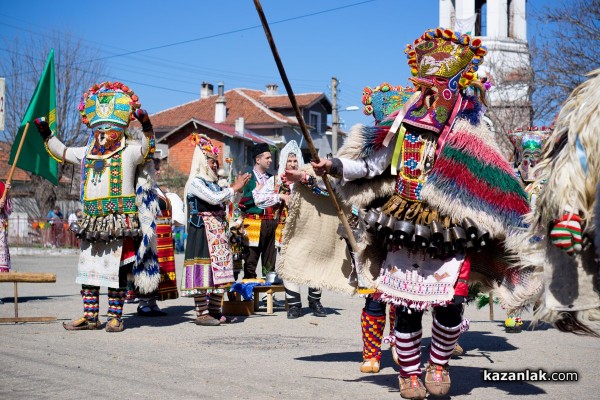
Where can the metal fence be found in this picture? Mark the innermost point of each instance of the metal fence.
(24, 231)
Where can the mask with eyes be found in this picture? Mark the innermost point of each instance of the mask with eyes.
(528, 150)
(443, 63)
(107, 138)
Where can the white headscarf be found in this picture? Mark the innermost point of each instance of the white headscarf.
(290, 148)
(199, 169)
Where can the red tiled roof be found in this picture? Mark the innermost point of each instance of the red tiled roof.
(253, 105)
(227, 130)
(19, 174)
(283, 101)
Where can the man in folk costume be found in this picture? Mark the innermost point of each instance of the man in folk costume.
(569, 206)
(119, 201)
(260, 224)
(208, 265)
(453, 193)
(265, 197)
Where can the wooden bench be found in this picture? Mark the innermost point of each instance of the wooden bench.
(29, 277)
(269, 291)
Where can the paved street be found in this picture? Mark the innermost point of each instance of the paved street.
(258, 357)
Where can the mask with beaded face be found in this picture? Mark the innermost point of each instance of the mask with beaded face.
(443, 62)
(528, 150)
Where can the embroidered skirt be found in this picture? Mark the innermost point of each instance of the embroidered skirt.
(208, 265)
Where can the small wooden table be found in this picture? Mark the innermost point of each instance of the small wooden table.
(269, 291)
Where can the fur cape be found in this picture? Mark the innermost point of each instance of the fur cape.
(570, 169)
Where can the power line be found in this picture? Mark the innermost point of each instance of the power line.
(233, 31)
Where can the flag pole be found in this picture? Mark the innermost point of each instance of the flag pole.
(14, 164)
(300, 119)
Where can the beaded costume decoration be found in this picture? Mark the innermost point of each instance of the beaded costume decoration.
(112, 102)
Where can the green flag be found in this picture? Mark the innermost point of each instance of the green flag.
(34, 157)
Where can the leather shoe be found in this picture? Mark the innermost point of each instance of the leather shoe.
(148, 311)
(294, 312)
(318, 309)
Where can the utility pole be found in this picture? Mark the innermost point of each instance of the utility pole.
(335, 120)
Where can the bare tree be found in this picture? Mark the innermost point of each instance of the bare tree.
(75, 73)
(568, 50)
(508, 68)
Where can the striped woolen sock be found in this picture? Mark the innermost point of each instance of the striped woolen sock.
(116, 299)
(91, 299)
(201, 305)
(372, 334)
(314, 295)
(566, 233)
(443, 341)
(214, 304)
(408, 349)
(392, 318)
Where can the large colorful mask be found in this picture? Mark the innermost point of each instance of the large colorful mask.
(443, 62)
(107, 108)
(528, 150)
(383, 100)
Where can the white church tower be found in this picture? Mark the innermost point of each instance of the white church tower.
(502, 27)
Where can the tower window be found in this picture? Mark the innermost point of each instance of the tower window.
(481, 21)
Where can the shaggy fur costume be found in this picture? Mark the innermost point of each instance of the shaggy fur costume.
(570, 168)
(470, 153)
(146, 271)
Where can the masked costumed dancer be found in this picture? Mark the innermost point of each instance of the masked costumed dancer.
(5, 210)
(528, 145)
(454, 191)
(119, 202)
(568, 206)
(208, 265)
(277, 188)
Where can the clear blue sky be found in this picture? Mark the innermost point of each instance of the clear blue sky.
(177, 45)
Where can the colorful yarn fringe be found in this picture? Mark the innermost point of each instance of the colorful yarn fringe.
(479, 178)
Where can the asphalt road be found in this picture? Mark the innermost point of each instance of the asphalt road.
(258, 357)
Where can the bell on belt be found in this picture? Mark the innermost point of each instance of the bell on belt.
(460, 237)
(436, 232)
(447, 247)
(104, 236)
(470, 228)
(388, 229)
(382, 220)
(403, 231)
(422, 236)
(371, 219)
(483, 237)
(433, 250)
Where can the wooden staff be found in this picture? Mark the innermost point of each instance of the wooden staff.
(14, 165)
(305, 133)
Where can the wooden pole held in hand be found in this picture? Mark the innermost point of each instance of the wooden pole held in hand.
(300, 119)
